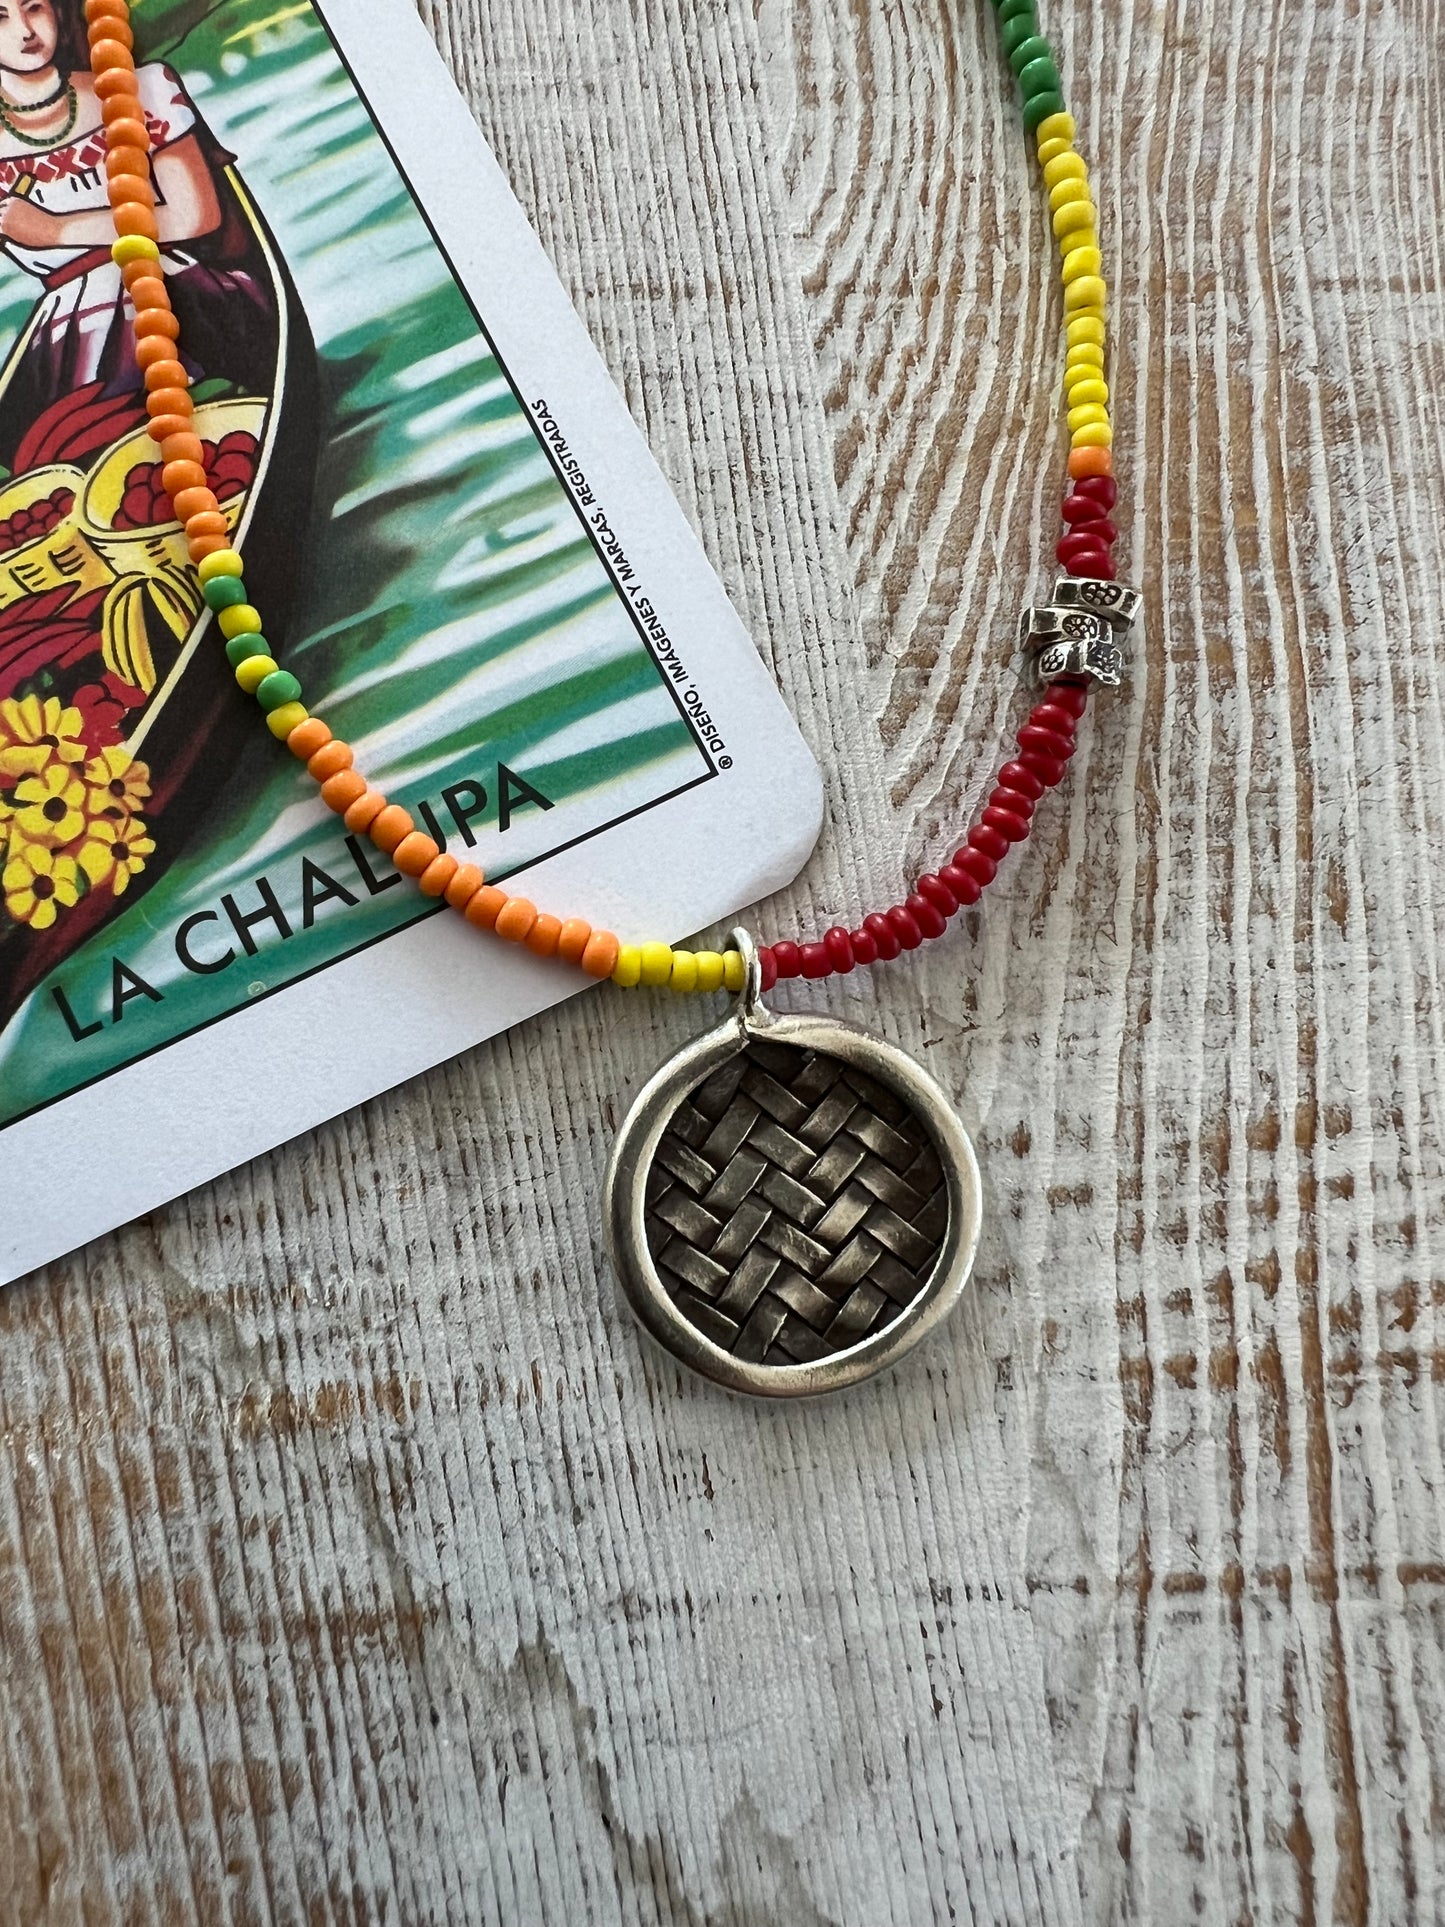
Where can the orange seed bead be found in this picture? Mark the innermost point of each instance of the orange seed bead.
(438, 874)
(330, 760)
(110, 56)
(465, 883)
(1090, 461)
(365, 810)
(183, 448)
(200, 546)
(153, 349)
(343, 789)
(599, 959)
(145, 286)
(106, 10)
(121, 188)
(208, 522)
(167, 374)
(390, 827)
(125, 121)
(195, 501)
(121, 159)
(131, 217)
(486, 906)
(307, 738)
(573, 939)
(515, 919)
(415, 854)
(165, 425)
(110, 26)
(157, 321)
(542, 937)
(177, 477)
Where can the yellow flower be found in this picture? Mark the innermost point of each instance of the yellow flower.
(37, 882)
(116, 848)
(116, 784)
(32, 732)
(50, 807)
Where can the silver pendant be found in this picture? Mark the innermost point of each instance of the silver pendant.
(791, 1204)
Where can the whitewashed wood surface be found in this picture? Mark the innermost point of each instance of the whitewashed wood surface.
(356, 1562)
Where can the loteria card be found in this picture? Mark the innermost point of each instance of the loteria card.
(456, 541)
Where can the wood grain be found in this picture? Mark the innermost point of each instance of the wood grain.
(357, 1564)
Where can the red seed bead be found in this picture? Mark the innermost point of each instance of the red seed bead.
(937, 892)
(929, 918)
(1051, 715)
(1013, 829)
(1077, 549)
(840, 950)
(1097, 566)
(865, 947)
(884, 936)
(905, 926)
(1022, 779)
(768, 967)
(974, 863)
(966, 888)
(1072, 696)
(1048, 769)
(1014, 802)
(1102, 489)
(983, 836)
(813, 960)
(788, 958)
(1079, 508)
(1034, 740)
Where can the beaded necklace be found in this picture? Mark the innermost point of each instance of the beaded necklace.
(67, 93)
(791, 1203)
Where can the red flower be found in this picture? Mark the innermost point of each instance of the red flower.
(104, 708)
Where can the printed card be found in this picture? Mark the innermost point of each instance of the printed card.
(454, 538)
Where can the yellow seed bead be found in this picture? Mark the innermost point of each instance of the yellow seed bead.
(1085, 328)
(710, 969)
(1071, 188)
(1051, 150)
(254, 671)
(1087, 391)
(1079, 238)
(1065, 167)
(627, 971)
(656, 963)
(219, 562)
(240, 620)
(684, 971)
(735, 971)
(1058, 127)
(283, 720)
(1092, 435)
(1086, 414)
(1085, 354)
(1081, 261)
(1074, 216)
(1088, 293)
(133, 247)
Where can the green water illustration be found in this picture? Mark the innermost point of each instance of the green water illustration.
(454, 616)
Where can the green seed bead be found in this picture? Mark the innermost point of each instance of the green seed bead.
(1040, 77)
(1018, 10)
(279, 687)
(1035, 47)
(240, 647)
(1038, 108)
(224, 591)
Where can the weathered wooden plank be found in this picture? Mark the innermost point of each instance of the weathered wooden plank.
(357, 1564)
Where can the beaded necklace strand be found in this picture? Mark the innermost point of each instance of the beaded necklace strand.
(1045, 742)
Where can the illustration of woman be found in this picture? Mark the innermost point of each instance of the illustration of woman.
(55, 224)
(116, 728)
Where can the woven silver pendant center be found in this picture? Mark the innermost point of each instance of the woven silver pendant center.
(792, 1203)
(794, 1206)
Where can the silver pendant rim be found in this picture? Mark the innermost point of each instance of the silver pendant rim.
(624, 1204)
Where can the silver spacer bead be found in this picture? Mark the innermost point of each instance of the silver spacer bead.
(1116, 602)
(1071, 642)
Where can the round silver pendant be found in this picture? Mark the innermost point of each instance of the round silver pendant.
(791, 1204)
